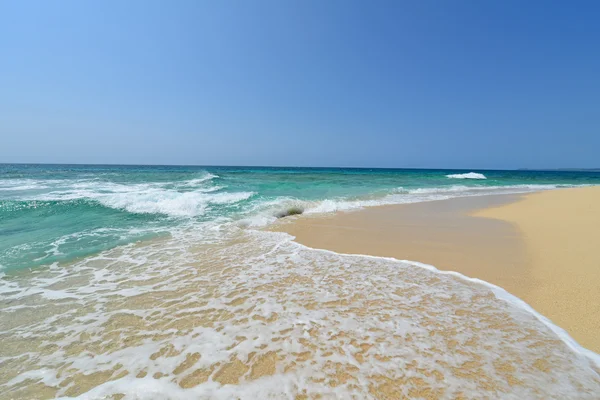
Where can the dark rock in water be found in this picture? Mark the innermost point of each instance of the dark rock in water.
(289, 211)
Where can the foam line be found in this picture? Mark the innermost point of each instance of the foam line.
(498, 292)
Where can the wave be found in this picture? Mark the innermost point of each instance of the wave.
(292, 319)
(196, 181)
(25, 184)
(195, 197)
(23, 187)
(94, 180)
(266, 212)
(147, 198)
(498, 291)
(467, 189)
(470, 175)
(172, 203)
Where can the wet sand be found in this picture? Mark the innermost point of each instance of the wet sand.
(542, 247)
(256, 316)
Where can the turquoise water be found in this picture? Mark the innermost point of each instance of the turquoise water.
(141, 282)
(51, 213)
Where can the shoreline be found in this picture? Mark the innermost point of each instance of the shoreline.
(560, 229)
(498, 291)
(480, 238)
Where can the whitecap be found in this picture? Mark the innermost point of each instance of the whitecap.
(197, 181)
(470, 175)
(170, 202)
(146, 198)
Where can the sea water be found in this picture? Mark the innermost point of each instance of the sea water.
(157, 282)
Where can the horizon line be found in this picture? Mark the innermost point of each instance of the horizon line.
(573, 169)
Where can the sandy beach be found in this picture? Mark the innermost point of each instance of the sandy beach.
(542, 247)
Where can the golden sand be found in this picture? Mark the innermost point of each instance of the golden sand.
(258, 315)
(542, 247)
(561, 231)
(435, 346)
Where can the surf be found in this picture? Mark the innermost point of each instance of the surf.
(469, 175)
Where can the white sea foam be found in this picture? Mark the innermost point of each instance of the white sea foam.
(261, 317)
(23, 187)
(197, 181)
(405, 196)
(170, 202)
(470, 175)
(264, 213)
(150, 320)
(485, 190)
(25, 184)
(150, 198)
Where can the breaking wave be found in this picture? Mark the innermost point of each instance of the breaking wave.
(266, 212)
(470, 175)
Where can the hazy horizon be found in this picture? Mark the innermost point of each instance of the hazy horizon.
(575, 169)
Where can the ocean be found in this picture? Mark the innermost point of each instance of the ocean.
(159, 282)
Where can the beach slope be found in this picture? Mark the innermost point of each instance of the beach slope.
(543, 247)
(561, 232)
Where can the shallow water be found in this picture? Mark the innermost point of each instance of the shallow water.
(57, 213)
(151, 283)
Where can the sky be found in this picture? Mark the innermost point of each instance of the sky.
(415, 84)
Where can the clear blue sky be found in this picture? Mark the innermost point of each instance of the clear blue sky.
(464, 84)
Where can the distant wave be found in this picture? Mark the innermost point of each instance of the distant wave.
(205, 178)
(470, 175)
(25, 184)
